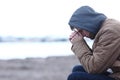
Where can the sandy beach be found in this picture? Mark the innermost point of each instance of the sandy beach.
(50, 68)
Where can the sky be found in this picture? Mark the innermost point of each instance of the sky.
(36, 18)
(46, 17)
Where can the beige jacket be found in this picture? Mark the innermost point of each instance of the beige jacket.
(105, 52)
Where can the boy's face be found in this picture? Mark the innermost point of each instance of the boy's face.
(84, 33)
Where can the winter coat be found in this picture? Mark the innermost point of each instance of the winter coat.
(105, 52)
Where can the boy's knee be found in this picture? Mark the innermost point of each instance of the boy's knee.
(77, 76)
(78, 68)
(70, 77)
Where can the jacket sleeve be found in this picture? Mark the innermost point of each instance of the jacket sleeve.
(103, 55)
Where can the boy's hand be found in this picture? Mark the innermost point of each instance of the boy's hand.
(75, 36)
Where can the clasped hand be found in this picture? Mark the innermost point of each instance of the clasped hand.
(75, 36)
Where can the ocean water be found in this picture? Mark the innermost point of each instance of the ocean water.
(12, 50)
(20, 50)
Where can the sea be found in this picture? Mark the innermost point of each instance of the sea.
(21, 50)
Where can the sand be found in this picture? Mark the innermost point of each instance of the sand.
(50, 68)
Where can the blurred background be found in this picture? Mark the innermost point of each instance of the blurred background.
(37, 28)
(34, 36)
